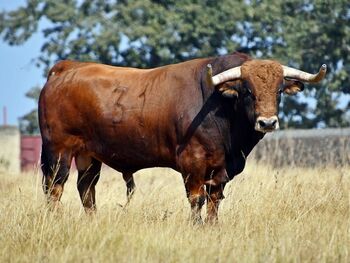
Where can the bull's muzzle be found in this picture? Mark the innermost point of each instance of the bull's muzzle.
(264, 124)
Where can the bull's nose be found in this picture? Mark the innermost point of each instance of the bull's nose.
(267, 124)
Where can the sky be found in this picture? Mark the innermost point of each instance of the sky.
(18, 72)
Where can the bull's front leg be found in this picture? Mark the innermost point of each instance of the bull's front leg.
(196, 197)
(214, 193)
(193, 163)
(214, 196)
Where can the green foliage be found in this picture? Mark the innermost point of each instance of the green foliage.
(148, 33)
(28, 124)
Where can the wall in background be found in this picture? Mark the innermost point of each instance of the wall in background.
(9, 149)
(307, 148)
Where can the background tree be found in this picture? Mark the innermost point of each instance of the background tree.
(28, 123)
(145, 33)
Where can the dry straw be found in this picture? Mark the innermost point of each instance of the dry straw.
(269, 215)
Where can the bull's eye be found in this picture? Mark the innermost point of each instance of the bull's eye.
(250, 93)
(247, 91)
(249, 96)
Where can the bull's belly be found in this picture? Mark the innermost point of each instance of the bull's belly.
(132, 157)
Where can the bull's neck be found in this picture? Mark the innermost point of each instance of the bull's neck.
(241, 135)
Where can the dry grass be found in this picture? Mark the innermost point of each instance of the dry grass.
(290, 215)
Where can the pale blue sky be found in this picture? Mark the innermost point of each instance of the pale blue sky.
(18, 72)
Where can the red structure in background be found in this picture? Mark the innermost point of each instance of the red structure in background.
(30, 152)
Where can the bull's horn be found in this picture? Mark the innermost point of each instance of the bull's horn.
(230, 74)
(210, 74)
(304, 76)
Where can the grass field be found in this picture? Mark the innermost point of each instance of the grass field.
(269, 215)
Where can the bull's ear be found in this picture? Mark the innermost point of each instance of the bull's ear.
(228, 89)
(292, 87)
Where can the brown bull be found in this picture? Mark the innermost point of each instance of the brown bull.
(201, 118)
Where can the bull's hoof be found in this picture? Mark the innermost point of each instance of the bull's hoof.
(54, 206)
(90, 210)
(197, 221)
(211, 220)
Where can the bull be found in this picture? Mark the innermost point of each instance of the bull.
(201, 118)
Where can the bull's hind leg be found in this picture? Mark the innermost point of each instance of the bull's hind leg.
(88, 175)
(130, 185)
(55, 168)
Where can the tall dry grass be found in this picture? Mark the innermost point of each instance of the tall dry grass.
(269, 215)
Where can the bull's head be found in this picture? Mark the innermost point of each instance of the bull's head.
(258, 84)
